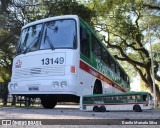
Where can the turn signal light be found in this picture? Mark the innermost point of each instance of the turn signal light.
(73, 69)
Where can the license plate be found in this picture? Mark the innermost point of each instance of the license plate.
(33, 88)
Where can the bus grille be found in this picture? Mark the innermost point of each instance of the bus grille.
(38, 72)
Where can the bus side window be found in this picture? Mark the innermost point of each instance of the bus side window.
(119, 97)
(144, 97)
(124, 97)
(117, 69)
(105, 56)
(133, 97)
(84, 40)
(96, 47)
(109, 98)
(138, 97)
(129, 97)
(114, 98)
(113, 64)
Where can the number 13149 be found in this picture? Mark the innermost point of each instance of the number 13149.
(50, 61)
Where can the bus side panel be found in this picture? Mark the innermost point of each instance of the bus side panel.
(87, 78)
(87, 82)
(109, 107)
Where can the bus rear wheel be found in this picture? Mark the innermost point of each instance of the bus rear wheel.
(99, 109)
(137, 108)
(48, 103)
(96, 109)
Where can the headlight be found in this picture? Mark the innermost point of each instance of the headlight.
(15, 86)
(63, 84)
(55, 84)
(12, 86)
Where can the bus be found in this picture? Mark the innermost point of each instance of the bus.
(136, 101)
(60, 59)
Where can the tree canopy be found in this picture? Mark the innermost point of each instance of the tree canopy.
(127, 22)
(16, 13)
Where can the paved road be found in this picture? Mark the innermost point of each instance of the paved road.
(71, 112)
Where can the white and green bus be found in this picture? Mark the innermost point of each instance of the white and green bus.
(136, 101)
(60, 59)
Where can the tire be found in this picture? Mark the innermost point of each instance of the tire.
(96, 109)
(137, 108)
(48, 103)
(99, 109)
(102, 109)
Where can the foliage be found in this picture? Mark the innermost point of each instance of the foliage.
(156, 51)
(126, 22)
(31, 10)
(16, 13)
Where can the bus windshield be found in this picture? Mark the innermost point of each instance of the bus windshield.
(55, 34)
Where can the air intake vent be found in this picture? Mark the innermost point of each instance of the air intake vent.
(36, 71)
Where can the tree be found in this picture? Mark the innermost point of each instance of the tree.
(4, 5)
(7, 46)
(127, 31)
(156, 52)
(7, 51)
(16, 13)
(31, 10)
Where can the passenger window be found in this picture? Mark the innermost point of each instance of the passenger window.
(133, 97)
(105, 56)
(84, 40)
(144, 97)
(138, 97)
(96, 47)
(113, 66)
(118, 69)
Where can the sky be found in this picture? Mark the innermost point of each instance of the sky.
(135, 84)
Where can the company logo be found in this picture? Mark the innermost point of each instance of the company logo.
(6, 122)
(18, 64)
(20, 122)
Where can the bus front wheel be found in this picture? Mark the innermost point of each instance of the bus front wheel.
(48, 103)
(137, 108)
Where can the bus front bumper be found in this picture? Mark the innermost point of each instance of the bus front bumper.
(41, 87)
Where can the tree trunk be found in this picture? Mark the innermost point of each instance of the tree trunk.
(5, 94)
(157, 95)
(157, 92)
(14, 100)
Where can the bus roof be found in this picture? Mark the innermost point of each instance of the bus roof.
(117, 94)
(49, 19)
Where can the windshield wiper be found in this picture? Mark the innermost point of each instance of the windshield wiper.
(31, 44)
(48, 39)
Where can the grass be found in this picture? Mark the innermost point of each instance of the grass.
(35, 105)
(18, 105)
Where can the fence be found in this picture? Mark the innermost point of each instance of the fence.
(22, 101)
(3, 92)
(19, 100)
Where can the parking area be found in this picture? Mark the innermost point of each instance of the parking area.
(72, 112)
